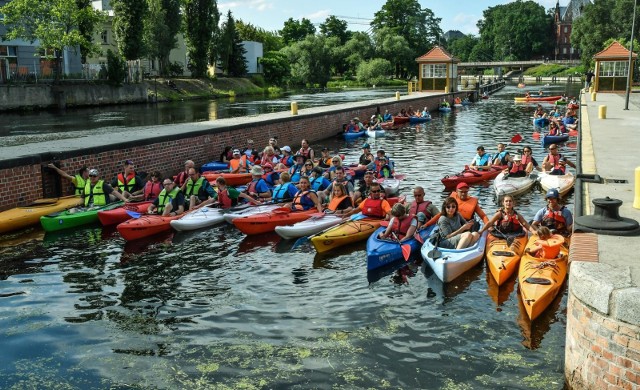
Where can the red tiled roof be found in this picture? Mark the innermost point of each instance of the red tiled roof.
(437, 54)
(614, 51)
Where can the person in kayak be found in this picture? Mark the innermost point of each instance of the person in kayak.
(528, 160)
(239, 163)
(305, 198)
(317, 180)
(170, 202)
(507, 221)
(425, 113)
(468, 206)
(554, 216)
(286, 160)
(340, 202)
(515, 168)
(228, 196)
(296, 169)
(482, 160)
(374, 205)
(336, 162)
(127, 182)
(182, 177)
(325, 159)
(454, 231)
(306, 151)
(285, 191)
(152, 187)
(341, 178)
(387, 117)
(258, 187)
(197, 191)
(547, 246)
(269, 156)
(364, 188)
(401, 225)
(79, 180)
(99, 193)
(502, 156)
(419, 205)
(366, 157)
(555, 163)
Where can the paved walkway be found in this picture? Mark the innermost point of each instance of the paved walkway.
(611, 148)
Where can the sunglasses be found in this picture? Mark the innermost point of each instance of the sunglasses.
(166, 184)
(308, 165)
(375, 191)
(452, 206)
(93, 175)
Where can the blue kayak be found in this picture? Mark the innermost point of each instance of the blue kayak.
(554, 139)
(444, 109)
(349, 135)
(214, 166)
(418, 119)
(540, 122)
(381, 252)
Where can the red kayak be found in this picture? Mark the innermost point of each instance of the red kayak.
(400, 119)
(119, 215)
(471, 176)
(267, 222)
(233, 179)
(145, 226)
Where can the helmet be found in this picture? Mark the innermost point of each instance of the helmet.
(93, 172)
(552, 193)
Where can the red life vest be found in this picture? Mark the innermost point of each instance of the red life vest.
(225, 200)
(509, 223)
(373, 208)
(555, 160)
(181, 178)
(515, 168)
(285, 160)
(152, 190)
(401, 226)
(251, 188)
(416, 208)
(554, 220)
(306, 153)
(526, 159)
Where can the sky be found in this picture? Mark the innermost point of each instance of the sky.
(270, 15)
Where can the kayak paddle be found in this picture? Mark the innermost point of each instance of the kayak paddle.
(435, 253)
(406, 248)
(133, 214)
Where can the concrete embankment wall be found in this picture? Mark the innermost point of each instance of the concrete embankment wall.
(25, 178)
(14, 97)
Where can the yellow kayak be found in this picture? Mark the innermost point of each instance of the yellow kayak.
(21, 217)
(345, 233)
(540, 279)
(503, 259)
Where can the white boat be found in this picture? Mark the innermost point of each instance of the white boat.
(375, 133)
(563, 183)
(391, 186)
(448, 264)
(513, 185)
(247, 211)
(311, 226)
(198, 219)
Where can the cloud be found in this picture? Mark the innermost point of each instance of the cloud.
(318, 15)
(466, 23)
(260, 5)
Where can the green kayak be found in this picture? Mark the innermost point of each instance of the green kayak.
(561, 102)
(74, 217)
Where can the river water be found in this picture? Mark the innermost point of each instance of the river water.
(217, 309)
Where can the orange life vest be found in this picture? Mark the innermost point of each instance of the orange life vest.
(467, 207)
(239, 162)
(550, 247)
(335, 202)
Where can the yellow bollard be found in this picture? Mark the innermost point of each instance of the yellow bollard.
(593, 96)
(602, 112)
(590, 89)
(409, 88)
(446, 89)
(294, 108)
(397, 95)
(636, 199)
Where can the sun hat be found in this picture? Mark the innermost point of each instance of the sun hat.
(462, 185)
(286, 149)
(257, 170)
(517, 157)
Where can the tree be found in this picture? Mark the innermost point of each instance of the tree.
(128, 27)
(374, 71)
(86, 28)
(275, 67)
(54, 25)
(295, 31)
(391, 45)
(463, 47)
(594, 26)
(357, 49)
(334, 27)
(231, 51)
(311, 60)
(160, 31)
(201, 25)
(271, 41)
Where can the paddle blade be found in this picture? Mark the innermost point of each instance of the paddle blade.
(406, 251)
(516, 138)
(535, 135)
(133, 214)
(434, 254)
(418, 238)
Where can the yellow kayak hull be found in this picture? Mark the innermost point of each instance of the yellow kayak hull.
(345, 233)
(21, 217)
(503, 259)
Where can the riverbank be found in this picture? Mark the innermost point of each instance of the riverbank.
(175, 89)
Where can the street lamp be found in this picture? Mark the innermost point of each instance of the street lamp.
(633, 30)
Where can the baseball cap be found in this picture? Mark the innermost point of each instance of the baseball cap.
(93, 172)
(236, 151)
(287, 149)
(552, 193)
(462, 185)
(366, 146)
(128, 162)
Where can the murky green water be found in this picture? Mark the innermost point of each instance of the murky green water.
(217, 309)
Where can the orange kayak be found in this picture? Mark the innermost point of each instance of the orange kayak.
(119, 215)
(267, 222)
(233, 179)
(145, 226)
(502, 258)
(540, 279)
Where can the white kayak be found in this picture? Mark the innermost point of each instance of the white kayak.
(308, 227)
(448, 264)
(375, 133)
(513, 185)
(563, 183)
(247, 211)
(391, 186)
(198, 219)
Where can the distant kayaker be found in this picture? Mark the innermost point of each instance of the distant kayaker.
(305, 198)
(227, 154)
(258, 187)
(336, 162)
(527, 95)
(528, 160)
(99, 193)
(197, 191)
(387, 117)
(269, 156)
(296, 169)
(325, 159)
(554, 216)
(152, 187)
(170, 202)
(79, 180)
(401, 225)
(248, 150)
(239, 162)
(286, 160)
(318, 181)
(340, 178)
(127, 182)
(182, 177)
(454, 231)
(425, 113)
(482, 160)
(373, 206)
(507, 221)
(364, 187)
(306, 151)
(366, 157)
(555, 163)
(228, 196)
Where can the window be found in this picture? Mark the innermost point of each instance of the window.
(104, 36)
(434, 71)
(564, 50)
(566, 29)
(614, 68)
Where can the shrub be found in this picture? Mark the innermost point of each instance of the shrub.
(374, 72)
(116, 69)
(175, 69)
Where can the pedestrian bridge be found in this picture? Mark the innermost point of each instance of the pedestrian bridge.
(516, 64)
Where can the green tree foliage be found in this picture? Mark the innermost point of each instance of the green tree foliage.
(116, 68)
(271, 41)
(334, 27)
(374, 71)
(357, 49)
(463, 47)
(86, 28)
(517, 30)
(201, 26)
(275, 67)
(230, 49)
(128, 27)
(296, 30)
(161, 27)
(55, 25)
(311, 60)
(396, 47)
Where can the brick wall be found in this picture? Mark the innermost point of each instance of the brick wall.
(601, 353)
(27, 178)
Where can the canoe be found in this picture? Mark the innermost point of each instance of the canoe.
(198, 219)
(454, 262)
(391, 186)
(74, 217)
(503, 258)
(145, 226)
(400, 119)
(375, 133)
(349, 135)
(313, 225)
(540, 280)
(513, 185)
(563, 183)
(241, 212)
(538, 99)
(233, 179)
(345, 233)
(444, 109)
(554, 139)
(418, 119)
(267, 222)
(214, 166)
(381, 252)
(24, 216)
(561, 102)
(472, 176)
(119, 215)
(541, 122)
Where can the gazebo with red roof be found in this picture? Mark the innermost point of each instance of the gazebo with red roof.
(612, 68)
(437, 71)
